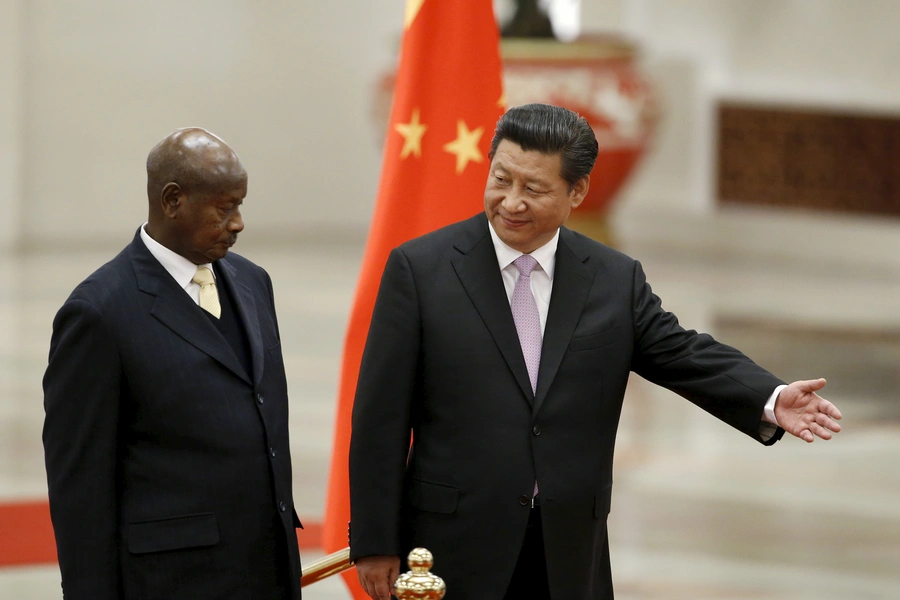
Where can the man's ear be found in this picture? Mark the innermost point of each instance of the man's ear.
(170, 199)
(580, 190)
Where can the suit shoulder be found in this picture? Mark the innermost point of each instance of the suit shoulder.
(106, 283)
(240, 262)
(245, 267)
(582, 243)
(598, 252)
(446, 237)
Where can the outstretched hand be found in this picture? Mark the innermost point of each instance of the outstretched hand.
(802, 412)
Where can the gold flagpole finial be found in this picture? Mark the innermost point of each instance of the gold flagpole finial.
(419, 582)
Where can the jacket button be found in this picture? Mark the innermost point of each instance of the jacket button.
(536, 430)
(524, 500)
(272, 452)
(260, 399)
(282, 506)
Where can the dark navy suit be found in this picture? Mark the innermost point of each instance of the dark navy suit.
(168, 462)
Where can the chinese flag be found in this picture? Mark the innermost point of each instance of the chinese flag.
(447, 99)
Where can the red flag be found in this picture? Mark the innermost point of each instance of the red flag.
(447, 100)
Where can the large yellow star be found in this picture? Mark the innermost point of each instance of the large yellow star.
(412, 133)
(465, 146)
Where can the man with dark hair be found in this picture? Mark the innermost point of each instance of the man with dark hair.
(501, 346)
(166, 430)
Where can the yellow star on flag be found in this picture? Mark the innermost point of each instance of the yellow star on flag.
(412, 133)
(412, 9)
(465, 146)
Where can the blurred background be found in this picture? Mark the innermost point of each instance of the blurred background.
(761, 193)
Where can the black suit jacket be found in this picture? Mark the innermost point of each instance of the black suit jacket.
(168, 464)
(443, 363)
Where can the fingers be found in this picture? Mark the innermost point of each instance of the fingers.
(830, 409)
(819, 431)
(377, 575)
(367, 587)
(827, 421)
(393, 575)
(377, 589)
(382, 590)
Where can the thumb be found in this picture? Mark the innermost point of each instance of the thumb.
(811, 385)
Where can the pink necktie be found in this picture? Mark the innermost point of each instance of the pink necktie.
(526, 316)
(528, 322)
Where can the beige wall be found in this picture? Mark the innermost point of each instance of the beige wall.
(10, 122)
(288, 84)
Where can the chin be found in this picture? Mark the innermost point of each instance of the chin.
(216, 254)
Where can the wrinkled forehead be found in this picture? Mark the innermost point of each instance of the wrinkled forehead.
(512, 158)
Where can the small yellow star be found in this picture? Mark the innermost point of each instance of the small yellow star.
(412, 9)
(465, 146)
(412, 133)
(501, 103)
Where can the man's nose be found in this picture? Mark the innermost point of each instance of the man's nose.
(236, 224)
(513, 202)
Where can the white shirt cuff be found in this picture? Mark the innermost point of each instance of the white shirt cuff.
(769, 409)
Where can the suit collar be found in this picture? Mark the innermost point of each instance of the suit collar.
(181, 269)
(571, 285)
(478, 271)
(247, 313)
(174, 308)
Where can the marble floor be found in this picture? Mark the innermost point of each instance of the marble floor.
(699, 511)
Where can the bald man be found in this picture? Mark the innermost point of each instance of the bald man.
(166, 430)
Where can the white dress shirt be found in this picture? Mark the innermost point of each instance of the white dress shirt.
(542, 287)
(181, 269)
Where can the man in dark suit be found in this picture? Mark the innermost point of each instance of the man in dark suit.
(166, 430)
(502, 344)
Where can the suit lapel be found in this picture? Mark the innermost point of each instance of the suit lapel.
(246, 308)
(174, 309)
(477, 269)
(571, 284)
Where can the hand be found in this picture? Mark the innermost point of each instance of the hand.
(377, 575)
(800, 411)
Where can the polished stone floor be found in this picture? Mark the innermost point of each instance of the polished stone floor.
(699, 511)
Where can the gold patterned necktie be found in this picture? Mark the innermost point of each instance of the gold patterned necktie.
(209, 297)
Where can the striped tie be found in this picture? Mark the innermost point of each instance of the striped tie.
(209, 297)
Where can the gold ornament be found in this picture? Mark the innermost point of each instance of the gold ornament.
(419, 583)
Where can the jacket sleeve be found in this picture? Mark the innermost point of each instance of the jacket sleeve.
(81, 402)
(716, 377)
(380, 438)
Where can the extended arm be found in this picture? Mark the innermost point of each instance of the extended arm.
(714, 376)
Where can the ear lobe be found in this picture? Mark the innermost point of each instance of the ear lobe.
(580, 190)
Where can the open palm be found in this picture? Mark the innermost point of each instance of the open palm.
(802, 412)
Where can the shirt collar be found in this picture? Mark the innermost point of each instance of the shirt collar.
(545, 255)
(180, 268)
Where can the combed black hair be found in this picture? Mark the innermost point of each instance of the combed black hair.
(550, 129)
